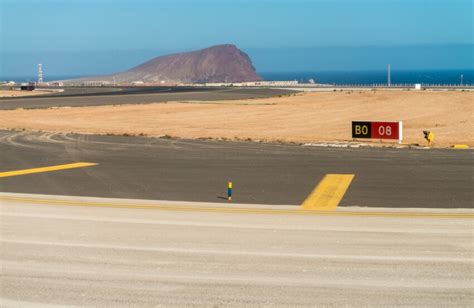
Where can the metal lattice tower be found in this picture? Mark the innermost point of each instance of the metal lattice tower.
(40, 73)
(389, 82)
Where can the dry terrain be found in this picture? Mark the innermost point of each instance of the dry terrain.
(309, 117)
(17, 93)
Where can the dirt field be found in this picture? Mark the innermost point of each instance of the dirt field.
(16, 93)
(309, 117)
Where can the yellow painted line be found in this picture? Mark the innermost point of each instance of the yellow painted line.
(329, 192)
(45, 169)
(460, 146)
(185, 208)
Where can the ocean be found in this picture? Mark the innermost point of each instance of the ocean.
(339, 77)
(377, 77)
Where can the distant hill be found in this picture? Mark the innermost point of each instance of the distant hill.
(221, 63)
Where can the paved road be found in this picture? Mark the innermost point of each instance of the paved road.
(137, 96)
(160, 169)
(91, 256)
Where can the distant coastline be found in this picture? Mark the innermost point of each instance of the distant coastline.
(377, 76)
(445, 76)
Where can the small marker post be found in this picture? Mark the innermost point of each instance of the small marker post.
(229, 192)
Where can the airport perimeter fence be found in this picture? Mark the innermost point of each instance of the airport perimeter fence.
(402, 85)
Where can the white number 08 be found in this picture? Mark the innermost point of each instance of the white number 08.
(385, 130)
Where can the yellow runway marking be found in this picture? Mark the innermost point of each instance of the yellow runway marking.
(45, 169)
(460, 146)
(237, 210)
(329, 192)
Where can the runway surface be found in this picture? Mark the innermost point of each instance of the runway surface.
(59, 254)
(161, 169)
(409, 244)
(76, 98)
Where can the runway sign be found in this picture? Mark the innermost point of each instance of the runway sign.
(377, 130)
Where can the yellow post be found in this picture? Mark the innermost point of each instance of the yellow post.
(430, 138)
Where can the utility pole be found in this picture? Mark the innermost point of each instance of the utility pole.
(389, 82)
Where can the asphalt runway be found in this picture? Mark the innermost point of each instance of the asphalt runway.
(89, 251)
(136, 96)
(162, 169)
(57, 254)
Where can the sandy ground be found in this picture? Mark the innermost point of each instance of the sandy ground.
(308, 117)
(17, 93)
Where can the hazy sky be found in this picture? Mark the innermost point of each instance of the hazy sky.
(41, 28)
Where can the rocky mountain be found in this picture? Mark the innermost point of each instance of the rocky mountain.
(221, 63)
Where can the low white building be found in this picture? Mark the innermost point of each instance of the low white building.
(95, 83)
(283, 83)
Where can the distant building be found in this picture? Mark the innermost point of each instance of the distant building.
(30, 86)
(95, 83)
(282, 83)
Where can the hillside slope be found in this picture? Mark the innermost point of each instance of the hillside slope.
(221, 63)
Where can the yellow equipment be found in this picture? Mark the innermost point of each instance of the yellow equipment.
(429, 136)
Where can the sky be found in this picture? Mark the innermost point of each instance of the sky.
(76, 37)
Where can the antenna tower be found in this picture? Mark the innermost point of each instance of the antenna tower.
(40, 73)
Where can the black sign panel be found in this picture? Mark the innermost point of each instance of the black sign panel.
(361, 129)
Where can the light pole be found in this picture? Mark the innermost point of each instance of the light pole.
(389, 82)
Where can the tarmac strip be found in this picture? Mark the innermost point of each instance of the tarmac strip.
(45, 169)
(328, 193)
(137, 96)
(199, 170)
(219, 208)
